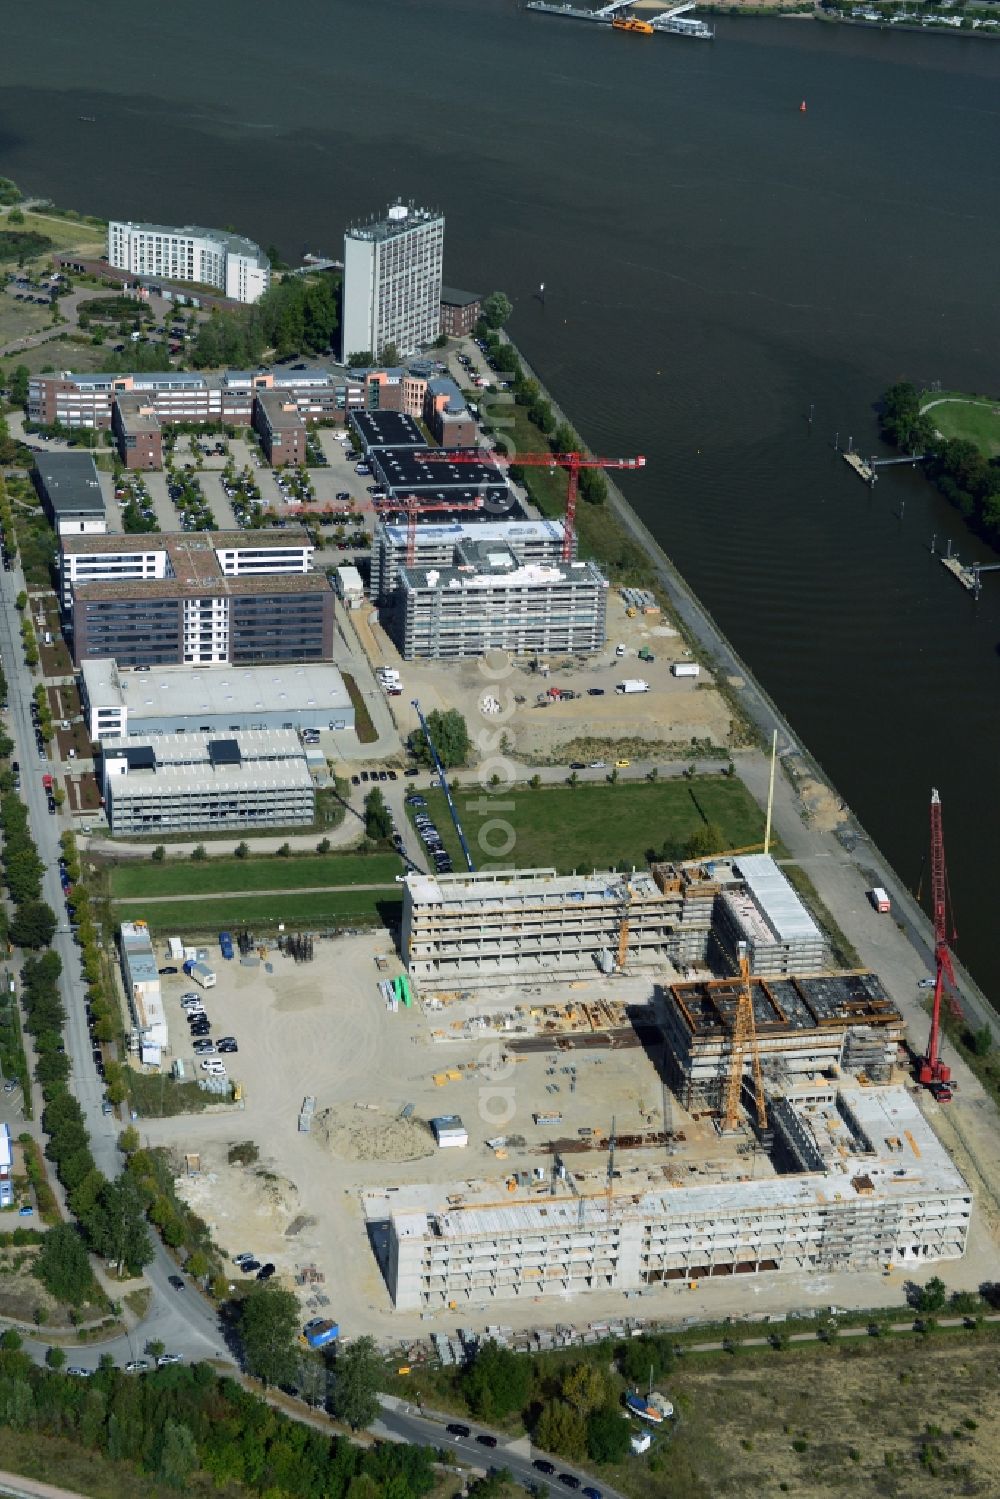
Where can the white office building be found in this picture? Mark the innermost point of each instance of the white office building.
(209, 257)
(392, 281)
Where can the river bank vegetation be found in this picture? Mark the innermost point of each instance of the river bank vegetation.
(965, 468)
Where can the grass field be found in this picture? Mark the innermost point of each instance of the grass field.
(597, 825)
(66, 234)
(975, 418)
(265, 912)
(184, 877)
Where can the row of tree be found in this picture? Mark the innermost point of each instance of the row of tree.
(34, 921)
(297, 315)
(450, 733)
(965, 476)
(178, 1422)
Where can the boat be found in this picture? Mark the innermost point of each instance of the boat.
(639, 1406)
(631, 23)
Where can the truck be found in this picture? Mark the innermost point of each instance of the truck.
(47, 782)
(686, 669)
(880, 900)
(632, 684)
(200, 972)
(226, 944)
(646, 654)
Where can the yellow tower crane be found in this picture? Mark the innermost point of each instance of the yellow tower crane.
(744, 1038)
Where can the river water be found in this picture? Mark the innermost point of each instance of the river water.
(716, 262)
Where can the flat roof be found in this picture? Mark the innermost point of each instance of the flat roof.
(529, 887)
(501, 570)
(220, 587)
(70, 483)
(874, 1142)
(399, 219)
(182, 690)
(427, 467)
(513, 532)
(775, 898)
(387, 429)
(185, 542)
(189, 764)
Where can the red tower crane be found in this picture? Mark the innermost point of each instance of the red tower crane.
(934, 1073)
(412, 506)
(572, 462)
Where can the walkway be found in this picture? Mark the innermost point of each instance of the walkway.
(153, 900)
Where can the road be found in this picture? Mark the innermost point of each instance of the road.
(182, 1320)
(402, 1422)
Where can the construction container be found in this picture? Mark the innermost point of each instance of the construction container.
(686, 669)
(201, 973)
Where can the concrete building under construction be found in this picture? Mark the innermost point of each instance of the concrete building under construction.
(804, 1026)
(535, 924)
(760, 912)
(856, 1179)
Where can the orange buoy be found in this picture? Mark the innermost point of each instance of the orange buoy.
(802, 107)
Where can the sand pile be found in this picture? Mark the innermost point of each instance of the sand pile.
(360, 1137)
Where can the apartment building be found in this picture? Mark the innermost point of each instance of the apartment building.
(197, 598)
(192, 783)
(857, 1179)
(436, 541)
(392, 282)
(492, 599)
(208, 257)
(765, 917)
(534, 925)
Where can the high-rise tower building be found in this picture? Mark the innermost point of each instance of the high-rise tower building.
(392, 282)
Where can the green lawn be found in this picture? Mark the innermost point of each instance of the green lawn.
(263, 872)
(597, 825)
(264, 912)
(975, 418)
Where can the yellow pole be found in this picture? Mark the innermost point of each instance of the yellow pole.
(770, 793)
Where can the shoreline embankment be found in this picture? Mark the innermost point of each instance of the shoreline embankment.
(718, 652)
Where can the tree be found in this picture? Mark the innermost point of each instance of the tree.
(242, 850)
(63, 1267)
(269, 1324)
(55, 1357)
(932, 1296)
(451, 738)
(561, 1429)
(18, 385)
(705, 841)
(159, 854)
(34, 925)
(178, 1455)
(117, 1226)
(378, 823)
(360, 359)
(497, 1382)
(585, 1388)
(982, 1041)
(607, 1435)
(497, 308)
(389, 355)
(198, 853)
(357, 1375)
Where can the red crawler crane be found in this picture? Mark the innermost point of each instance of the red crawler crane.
(933, 1073)
(572, 462)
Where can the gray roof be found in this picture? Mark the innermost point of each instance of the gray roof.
(234, 244)
(451, 297)
(70, 483)
(775, 898)
(171, 691)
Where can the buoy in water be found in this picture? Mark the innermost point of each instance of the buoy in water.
(802, 107)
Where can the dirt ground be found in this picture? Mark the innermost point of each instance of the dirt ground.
(312, 1199)
(673, 713)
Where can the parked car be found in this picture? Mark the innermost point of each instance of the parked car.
(169, 969)
(570, 1480)
(543, 1465)
(266, 1271)
(176, 1281)
(456, 1429)
(486, 1439)
(136, 1365)
(169, 1358)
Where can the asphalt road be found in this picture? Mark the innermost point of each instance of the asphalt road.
(402, 1422)
(182, 1320)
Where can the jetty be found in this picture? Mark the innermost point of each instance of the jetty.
(965, 575)
(674, 21)
(861, 467)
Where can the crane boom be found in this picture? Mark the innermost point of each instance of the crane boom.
(934, 1073)
(443, 779)
(571, 462)
(744, 1039)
